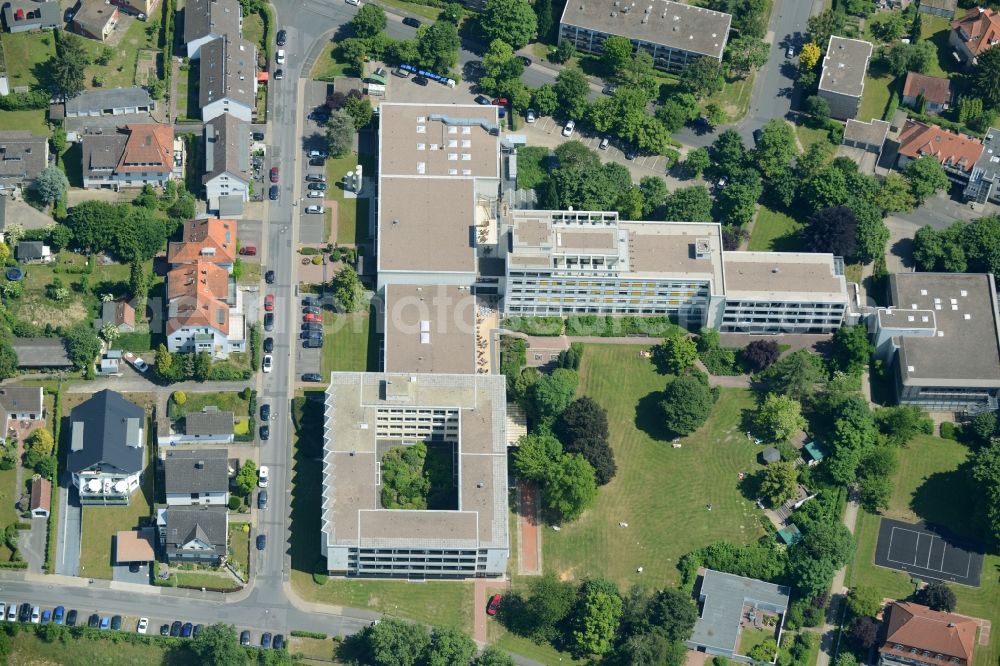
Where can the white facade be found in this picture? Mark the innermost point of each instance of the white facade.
(98, 487)
(196, 499)
(227, 105)
(227, 184)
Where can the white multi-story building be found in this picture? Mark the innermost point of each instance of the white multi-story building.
(228, 78)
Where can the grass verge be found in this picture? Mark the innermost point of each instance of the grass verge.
(775, 232)
(349, 344)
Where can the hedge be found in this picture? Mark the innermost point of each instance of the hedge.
(606, 326)
(34, 100)
(308, 634)
(542, 326)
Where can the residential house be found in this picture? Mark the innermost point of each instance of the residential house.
(137, 7)
(193, 534)
(945, 8)
(915, 635)
(725, 603)
(933, 93)
(24, 15)
(984, 183)
(228, 78)
(207, 20)
(133, 156)
(209, 240)
(107, 448)
(227, 158)
(198, 476)
(674, 34)
(33, 252)
(842, 82)
(120, 314)
(95, 19)
(23, 155)
(957, 153)
(862, 143)
(38, 353)
(41, 497)
(973, 33)
(109, 102)
(20, 403)
(204, 310)
(209, 426)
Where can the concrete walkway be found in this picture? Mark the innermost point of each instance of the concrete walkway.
(829, 641)
(529, 533)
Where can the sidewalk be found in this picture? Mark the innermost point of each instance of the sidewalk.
(829, 642)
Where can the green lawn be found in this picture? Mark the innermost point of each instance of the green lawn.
(810, 135)
(879, 84)
(239, 547)
(660, 491)
(8, 496)
(34, 121)
(352, 214)
(253, 28)
(27, 649)
(100, 523)
(25, 52)
(348, 344)
(775, 232)
(120, 70)
(937, 29)
(327, 65)
(198, 580)
(930, 486)
(423, 11)
(734, 98)
(227, 401)
(751, 638)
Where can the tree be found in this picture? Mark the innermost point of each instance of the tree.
(535, 454)
(874, 493)
(68, 66)
(617, 52)
(901, 423)
(864, 601)
(851, 349)
(776, 148)
(202, 366)
(393, 642)
(687, 403)
(824, 24)
(745, 54)
(654, 194)
(563, 52)
(494, 656)
(888, 27)
(985, 474)
(778, 482)
(832, 230)
(986, 77)
(8, 360)
(938, 596)
(246, 478)
(82, 345)
(675, 354)
(595, 620)
(677, 110)
(760, 354)
(863, 632)
(583, 418)
(218, 644)
(52, 184)
(688, 204)
(914, 57)
(340, 133)
(513, 21)
(109, 332)
(809, 55)
(41, 440)
(368, 22)
(795, 375)
(571, 90)
(984, 426)
(697, 161)
(543, 15)
(715, 115)
(673, 612)
(817, 107)
(348, 292)
(926, 176)
(570, 487)
(544, 100)
(542, 610)
(438, 45)
(359, 107)
(779, 417)
(894, 194)
(702, 77)
(449, 646)
(736, 202)
(551, 394)
(729, 153)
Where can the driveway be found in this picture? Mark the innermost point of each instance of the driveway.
(121, 574)
(68, 530)
(31, 543)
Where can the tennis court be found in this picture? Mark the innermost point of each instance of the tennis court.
(928, 552)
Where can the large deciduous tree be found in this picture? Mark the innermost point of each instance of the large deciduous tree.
(687, 402)
(779, 417)
(552, 393)
(570, 487)
(52, 184)
(832, 230)
(340, 133)
(778, 482)
(438, 46)
(595, 618)
(393, 642)
(348, 292)
(218, 644)
(702, 77)
(926, 177)
(761, 354)
(688, 204)
(513, 21)
(776, 149)
(368, 22)
(745, 54)
(571, 90)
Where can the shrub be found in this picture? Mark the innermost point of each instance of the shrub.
(949, 431)
(179, 398)
(308, 634)
(234, 502)
(541, 326)
(317, 260)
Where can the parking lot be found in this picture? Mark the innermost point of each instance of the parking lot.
(548, 132)
(307, 359)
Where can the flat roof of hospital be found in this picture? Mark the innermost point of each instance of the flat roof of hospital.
(430, 328)
(784, 276)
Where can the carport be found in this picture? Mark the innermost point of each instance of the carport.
(133, 547)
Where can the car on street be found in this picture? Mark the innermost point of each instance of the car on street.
(268, 321)
(269, 303)
(605, 142)
(186, 630)
(265, 412)
(261, 541)
(529, 115)
(262, 475)
(248, 250)
(268, 363)
(280, 38)
(758, 134)
(279, 642)
(143, 625)
(482, 99)
(58, 615)
(500, 101)
(630, 153)
(274, 174)
(569, 128)
(356, 3)
(494, 604)
(790, 53)
(269, 344)
(312, 377)
(71, 618)
(315, 194)
(46, 616)
(265, 433)
(105, 623)
(305, 335)
(36, 615)
(315, 178)
(526, 61)
(262, 499)
(116, 622)
(279, 57)
(317, 161)
(313, 152)
(310, 309)
(272, 194)
(257, 136)
(609, 89)
(412, 22)
(3, 609)
(313, 343)
(401, 73)
(279, 74)
(421, 80)
(245, 637)
(318, 186)
(175, 628)
(265, 640)
(269, 277)
(315, 210)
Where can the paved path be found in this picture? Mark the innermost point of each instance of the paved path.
(31, 543)
(529, 537)
(139, 384)
(68, 531)
(829, 637)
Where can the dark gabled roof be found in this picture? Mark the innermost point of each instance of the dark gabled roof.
(18, 400)
(205, 523)
(23, 155)
(210, 17)
(228, 69)
(30, 250)
(227, 148)
(107, 430)
(209, 422)
(196, 471)
(91, 101)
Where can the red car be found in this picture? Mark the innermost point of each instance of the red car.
(248, 250)
(500, 101)
(493, 605)
(269, 303)
(312, 317)
(274, 174)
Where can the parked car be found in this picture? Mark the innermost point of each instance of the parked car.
(265, 640)
(261, 541)
(630, 153)
(274, 174)
(268, 344)
(257, 136)
(142, 626)
(58, 615)
(526, 60)
(305, 335)
(186, 630)
(412, 22)
(501, 101)
(265, 412)
(248, 250)
(12, 612)
(105, 623)
(268, 321)
(356, 3)
(71, 618)
(279, 57)
(279, 74)
(268, 363)
(280, 38)
(93, 621)
(494, 604)
(175, 628)
(245, 637)
(262, 499)
(315, 209)
(609, 89)
(116, 622)
(272, 193)
(421, 80)
(265, 433)
(569, 128)
(605, 142)
(46, 616)
(164, 629)
(312, 317)
(790, 53)
(315, 194)
(24, 614)
(317, 161)
(312, 377)
(313, 343)
(315, 178)
(279, 642)
(269, 277)
(482, 99)
(317, 186)
(36, 615)
(529, 115)
(269, 303)
(310, 300)
(401, 73)
(316, 153)
(262, 475)
(758, 134)
(197, 630)
(312, 326)
(310, 309)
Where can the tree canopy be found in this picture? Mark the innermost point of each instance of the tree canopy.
(687, 403)
(779, 417)
(513, 21)
(832, 230)
(348, 292)
(218, 644)
(595, 622)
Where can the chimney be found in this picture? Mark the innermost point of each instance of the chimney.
(200, 464)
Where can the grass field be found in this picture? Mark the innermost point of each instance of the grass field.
(227, 401)
(33, 121)
(349, 344)
(253, 28)
(197, 580)
(352, 214)
(423, 11)
(661, 492)
(810, 135)
(930, 486)
(239, 547)
(8, 496)
(775, 232)
(734, 98)
(937, 30)
(100, 523)
(24, 53)
(327, 66)
(29, 650)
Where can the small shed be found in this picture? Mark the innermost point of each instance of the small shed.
(41, 497)
(34, 252)
(789, 535)
(814, 451)
(770, 455)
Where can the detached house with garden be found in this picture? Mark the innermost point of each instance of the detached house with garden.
(107, 451)
(132, 156)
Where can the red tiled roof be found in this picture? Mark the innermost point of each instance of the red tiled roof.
(982, 27)
(934, 89)
(950, 149)
(197, 296)
(41, 494)
(210, 240)
(943, 635)
(150, 147)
